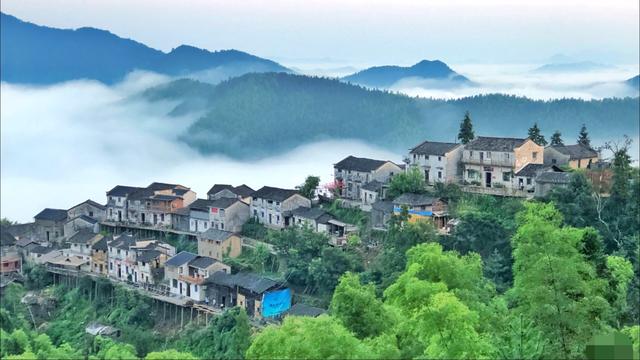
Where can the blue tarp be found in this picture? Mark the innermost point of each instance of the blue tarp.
(414, 212)
(276, 302)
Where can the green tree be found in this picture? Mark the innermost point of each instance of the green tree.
(411, 181)
(307, 338)
(309, 187)
(536, 136)
(583, 136)
(465, 135)
(621, 273)
(554, 285)
(358, 309)
(556, 139)
(170, 355)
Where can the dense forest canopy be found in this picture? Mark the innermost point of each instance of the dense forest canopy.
(257, 115)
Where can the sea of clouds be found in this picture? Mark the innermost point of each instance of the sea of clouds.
(66, 143)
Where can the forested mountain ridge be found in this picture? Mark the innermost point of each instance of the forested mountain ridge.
(43, 55)
(257, 115)
(386, 76)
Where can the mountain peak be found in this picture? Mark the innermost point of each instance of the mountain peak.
(386, 76)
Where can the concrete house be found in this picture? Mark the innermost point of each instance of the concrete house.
(80, 222)
(49, 225)
(217, 244)
(353, 172)
(187, 272)
(546, 181)
(11, 261)
(99, 262)
(121, 257)
(381, 212)
(323, 222)
(269, 206)
(116, 208)
(242, 192)
(90, 209)
(438, 161)
(491, 162)
(371, 192)
(81, 243)
(423, 207)
(222, 213)
(525, 178)
(576, 156)
(245, 290)
(155, 204)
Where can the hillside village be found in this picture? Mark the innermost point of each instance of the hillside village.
(123, 238)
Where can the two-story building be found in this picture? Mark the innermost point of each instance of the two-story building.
(186, 273)
(351, 173)
(525, 178)
(492, 162)
(73, 225)
(88, 208)
(99, 260)
(323, 222)
(81, 243)
(576, 156)
(437, 161)
(217, 244)
(155, 204)
(121, 257)
(272, 206)
(242, 192)
(116, 208)
(10, 259)
(224, 213)
(49, 225)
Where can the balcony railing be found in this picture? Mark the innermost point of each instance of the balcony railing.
(489, 162)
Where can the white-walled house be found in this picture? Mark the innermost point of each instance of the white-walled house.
(186, 273)
(272, 206)
(351, 173)
(437, 161)
(224, 213)
(492, 162)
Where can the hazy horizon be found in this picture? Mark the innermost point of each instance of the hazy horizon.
(376, 32)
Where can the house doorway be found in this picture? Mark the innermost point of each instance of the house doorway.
(142, 217)
(119, 216)
(487, 179)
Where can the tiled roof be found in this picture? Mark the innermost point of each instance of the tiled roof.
(486, 143)
(577, 151)
(123, 241)
(243, 190)
(181, 258)
(273, 193)
(412, 199)
(101, 244)
(434, 148)
(83, 236)
(147, 255)
(552, 177)
(86, 218)
(382, 205)
(215, 234)
(308, 213)
(219, 187)
(202, 262)
(39, 249)
(530, 170)
(359, 164)
(300, 309)
(90, 202)
(52, 215)
(252, 282)
(121, 190)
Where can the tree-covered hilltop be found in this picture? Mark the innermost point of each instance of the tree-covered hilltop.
(257, 115)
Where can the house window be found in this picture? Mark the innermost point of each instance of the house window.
(414, 157)
(488, 154)
(528, 181)
(118, 251)
(221, 226)
(110, 212)
(534, 155)
(506, 176)
(110, 266)
(471, 154)
(554, 161)
(481, 156)
(161, 217)
(195, 287)
(507, 156)
(255, 212)
(277, 219)
(427, 157)
(391, 174)
(175, 283)
(439, 158)
(439, 174)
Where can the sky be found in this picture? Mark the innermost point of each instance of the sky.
(364, 32)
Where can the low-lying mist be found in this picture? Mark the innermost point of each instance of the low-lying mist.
(65, 143)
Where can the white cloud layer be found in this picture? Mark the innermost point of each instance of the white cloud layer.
(63, 144)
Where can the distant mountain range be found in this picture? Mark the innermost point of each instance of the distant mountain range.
(257, 115)
(634, 82)
(42, 55)
(572, 67)
(386, 76)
